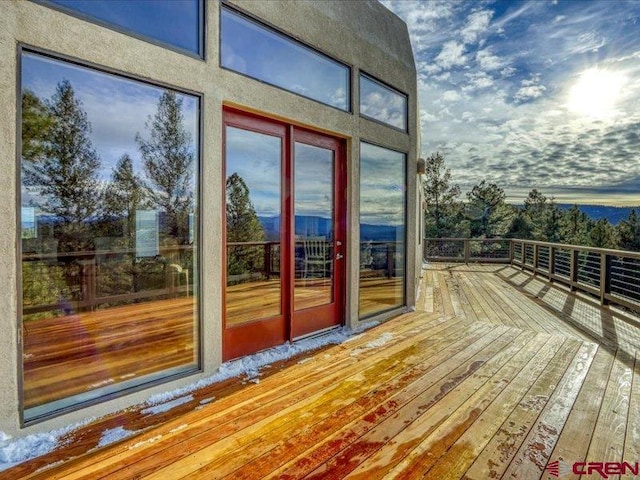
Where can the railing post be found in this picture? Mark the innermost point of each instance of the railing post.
(523, 255)
(89, 286)
(511, 252)
(552, 263)
(573, 270)
(390, 253)
(467, 250)
(605, 278)
(267, 260)
(536, 252)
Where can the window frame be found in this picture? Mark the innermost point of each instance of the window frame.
(202, 28)
(293, 39)
(403, 305)
(385, 85)
(198, 290)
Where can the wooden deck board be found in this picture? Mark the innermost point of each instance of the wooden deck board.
(508, 373)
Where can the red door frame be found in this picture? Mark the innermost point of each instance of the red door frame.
(263, 333)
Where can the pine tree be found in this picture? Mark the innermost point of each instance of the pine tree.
(488, 212)
(243, 225)
(574, 226)
(36, 126)
(443, 212)
(169, 166)
(65, 180)
(629, 232)
(603, 235)
(124, 195)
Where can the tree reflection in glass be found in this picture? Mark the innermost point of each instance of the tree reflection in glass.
(108, 240)
(253, 209)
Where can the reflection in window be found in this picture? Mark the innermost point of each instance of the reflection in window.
(253, 226)
(109, 237)
(249, 48)
(177, 22)
(382, 103)
(382, 229)
(314, 225)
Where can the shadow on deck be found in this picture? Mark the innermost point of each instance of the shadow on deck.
(497, 374)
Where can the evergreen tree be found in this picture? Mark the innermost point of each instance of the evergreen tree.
(443, 212)
(243, 225)
(124, 195)
(629, 232)
(65, 179)
(488, 212)
(36, 126)
(169, 166)
(574, 226)
(603, 235)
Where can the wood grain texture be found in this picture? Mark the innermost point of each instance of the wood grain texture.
(507, 374)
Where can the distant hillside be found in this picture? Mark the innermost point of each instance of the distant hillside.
(596, 212)
(308, 225)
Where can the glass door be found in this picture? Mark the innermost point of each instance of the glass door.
(318, 254)
(284, 232)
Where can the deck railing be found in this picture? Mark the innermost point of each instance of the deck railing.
(613, 276)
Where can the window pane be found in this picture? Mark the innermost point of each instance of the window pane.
(109, 233)
(313, 212)
(253, 225)
(382, 229)
(254, 50)
(176, 22)
(382, 103)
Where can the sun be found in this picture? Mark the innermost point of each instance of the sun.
(596, 93)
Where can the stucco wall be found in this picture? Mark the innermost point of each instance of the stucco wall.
(362, 34)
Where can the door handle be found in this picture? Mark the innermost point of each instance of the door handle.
(339, 256)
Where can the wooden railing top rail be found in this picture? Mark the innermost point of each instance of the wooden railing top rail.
(92, 253)
(582, 248)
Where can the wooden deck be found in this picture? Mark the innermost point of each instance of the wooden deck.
(496, 374)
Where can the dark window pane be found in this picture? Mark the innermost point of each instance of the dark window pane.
(176, 22)
(109, 233)
(382, 229)
(254, 50)
(253, 225)
(382, 103)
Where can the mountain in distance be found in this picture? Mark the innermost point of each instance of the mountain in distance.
(596, 212)
(310, 225)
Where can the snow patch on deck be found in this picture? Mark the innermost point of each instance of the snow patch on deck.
(13, 452)
(112, 435)
(165, 407)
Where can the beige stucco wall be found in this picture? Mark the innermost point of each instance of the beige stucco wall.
(362, 34)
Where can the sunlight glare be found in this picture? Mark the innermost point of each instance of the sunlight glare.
(596, 93)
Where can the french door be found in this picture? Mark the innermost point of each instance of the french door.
(284, 232)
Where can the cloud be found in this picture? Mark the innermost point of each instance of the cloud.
(452, 54)
(477, 24)
(529, 92)
(488, 61)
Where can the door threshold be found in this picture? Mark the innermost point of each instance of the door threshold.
(318, 333)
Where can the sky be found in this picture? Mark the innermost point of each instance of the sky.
(531, 94)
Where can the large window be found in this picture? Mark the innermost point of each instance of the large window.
(178, 23)
(382, 229)
(109, 224)
(254, 50)
(382, 103)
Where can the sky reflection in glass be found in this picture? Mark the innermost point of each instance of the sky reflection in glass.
(382, 103)
(176, 22)
(253, 50)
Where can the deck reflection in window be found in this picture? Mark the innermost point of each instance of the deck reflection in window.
(253, 226)
(178, 23)
(382, 229)
(109, 248)
(254, 50)
(382, 103)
